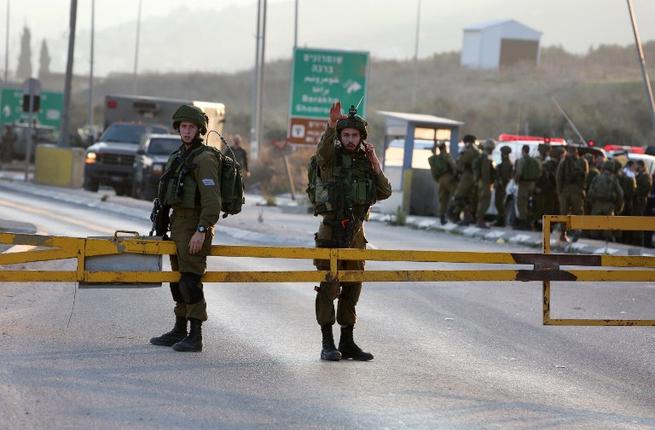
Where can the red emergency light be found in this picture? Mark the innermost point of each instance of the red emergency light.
(626, 148)
(504, 137)
(112, 104)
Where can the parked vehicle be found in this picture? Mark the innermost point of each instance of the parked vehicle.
(110, 161)
(151, 157)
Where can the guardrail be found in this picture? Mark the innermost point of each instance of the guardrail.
(545, 267)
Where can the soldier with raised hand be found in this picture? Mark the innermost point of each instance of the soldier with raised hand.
(571, 175)
(465, 193)
(443, 169)
(503, 176)
(352, 174)
(485, 173)
(190, 186)
(526, 173)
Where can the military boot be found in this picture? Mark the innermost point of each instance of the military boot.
(443, 220)
(349, 349)
(193, 342)
(329, 351)
(172, 337)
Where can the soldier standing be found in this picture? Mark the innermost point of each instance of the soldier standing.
(541, 186)
(465, 192)
(594, 170)
(628, 183)
(443, 170)
(571, 175)
(526, 174)
(485, 174)
(605, 194)
(190, 186)
(352, 174)
(241, 155)
(644, 185)
(503, 176)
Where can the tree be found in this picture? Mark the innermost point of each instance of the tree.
(44, 61)
(24, 70)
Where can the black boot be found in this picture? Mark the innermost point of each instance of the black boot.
(329, 351)
(172, 337)
(349, 349)
(193, 342)
(442, 218)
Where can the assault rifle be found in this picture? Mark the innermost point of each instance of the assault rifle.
(160, 217)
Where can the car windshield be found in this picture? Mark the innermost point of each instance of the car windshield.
(163, 146)
(129, 133)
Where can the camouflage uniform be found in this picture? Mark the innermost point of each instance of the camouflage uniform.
(485, 175)
(465, 193)
(526, 185)
(443, 169)
(571, 175)
(605, 196)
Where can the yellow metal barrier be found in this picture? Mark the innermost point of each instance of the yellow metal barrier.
(578, 222)
(544, 267)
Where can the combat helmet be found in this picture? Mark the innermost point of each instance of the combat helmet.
(505, 149)
(353, 121)
(489, 144)
(192, 114)
(610, 166)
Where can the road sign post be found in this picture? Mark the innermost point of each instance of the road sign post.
(321, 77)
(31, 104)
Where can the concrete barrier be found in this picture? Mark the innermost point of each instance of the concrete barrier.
(61, 167)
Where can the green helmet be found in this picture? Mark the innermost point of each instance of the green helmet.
(505, 149)
(192, 114)
(489, 144)
(353, 121)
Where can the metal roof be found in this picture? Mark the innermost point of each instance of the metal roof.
(420, 118)
(488, 24)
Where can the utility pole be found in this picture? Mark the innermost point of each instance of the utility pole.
(642, 63)
(255, 89)
(295, 26)
(91, 58)
(65, 118)
(7, 44)
(260, 92)
(418, 27)
(258, 80)
(136, 49)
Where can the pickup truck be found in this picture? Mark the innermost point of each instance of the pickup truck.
(110, 161)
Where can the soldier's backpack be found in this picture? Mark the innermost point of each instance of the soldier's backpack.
(317, 192)
(531, 170)
(603, 189)
(232, 199)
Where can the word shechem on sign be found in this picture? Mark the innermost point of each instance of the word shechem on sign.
(320, 78)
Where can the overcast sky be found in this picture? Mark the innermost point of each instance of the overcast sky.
(385, 28)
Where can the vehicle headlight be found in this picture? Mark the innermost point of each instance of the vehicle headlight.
(90, 157)
(157, 169)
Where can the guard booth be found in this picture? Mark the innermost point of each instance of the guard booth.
(408, 140)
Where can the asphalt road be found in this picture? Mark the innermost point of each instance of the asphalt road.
(447, 355)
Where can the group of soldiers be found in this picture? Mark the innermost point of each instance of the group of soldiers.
(557, 181)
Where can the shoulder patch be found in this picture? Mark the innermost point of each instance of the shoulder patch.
(208, 182)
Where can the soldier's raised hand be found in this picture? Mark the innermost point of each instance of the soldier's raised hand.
(335, 114)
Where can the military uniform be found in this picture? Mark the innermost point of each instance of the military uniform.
(190, 187)
(644, 185)
(571, 175)
(443, 169)
(503, 176)
(466, 190)
(546, 189)
(485, 174)
(605, 196)
(593, 172)
(526, 174)
(347, 292)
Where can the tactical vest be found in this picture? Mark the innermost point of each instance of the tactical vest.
(603, 188)
(177, 187)
(531, 171)
(573, 171)
(351, 188)
(439, 166)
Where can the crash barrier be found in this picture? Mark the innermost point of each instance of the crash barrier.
(602, 223)
(545, 267)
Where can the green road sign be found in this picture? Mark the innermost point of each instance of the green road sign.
(11, 108)
(320, 77)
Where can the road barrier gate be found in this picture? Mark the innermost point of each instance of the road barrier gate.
(524, 267)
